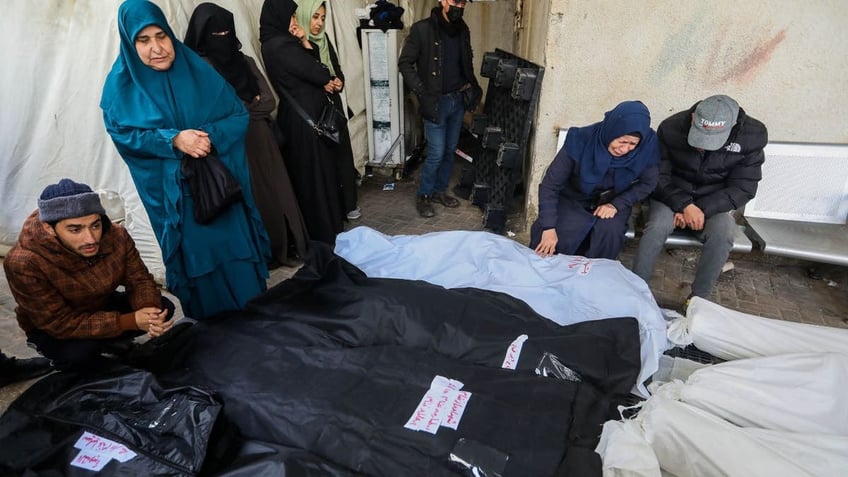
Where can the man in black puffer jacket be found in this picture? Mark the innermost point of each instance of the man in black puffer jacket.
(436, 64)
(711, 162)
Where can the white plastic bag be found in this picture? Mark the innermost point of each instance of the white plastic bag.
(730, 334)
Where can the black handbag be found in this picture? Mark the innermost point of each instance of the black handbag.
(211, 184)
(329, 123)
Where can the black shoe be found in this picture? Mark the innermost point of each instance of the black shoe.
(118, 347)
(13, 370)
(446, 200)
(424, 205)
(164, 352)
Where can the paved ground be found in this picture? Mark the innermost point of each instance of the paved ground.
(757, 284)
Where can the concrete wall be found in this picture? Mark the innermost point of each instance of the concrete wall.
(531, 27)
(784, 61)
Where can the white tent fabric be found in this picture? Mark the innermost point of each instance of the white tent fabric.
(730, 334)
(56, 57)
(564, 289)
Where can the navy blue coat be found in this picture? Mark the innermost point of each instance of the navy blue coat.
(563, 206)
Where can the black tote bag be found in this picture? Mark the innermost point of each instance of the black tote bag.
(211, 184)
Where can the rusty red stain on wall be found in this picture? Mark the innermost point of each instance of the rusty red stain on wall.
(745, 70)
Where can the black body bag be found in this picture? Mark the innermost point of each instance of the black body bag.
(211, 184)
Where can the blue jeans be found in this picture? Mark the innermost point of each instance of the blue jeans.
(441, 145)
(717, 237)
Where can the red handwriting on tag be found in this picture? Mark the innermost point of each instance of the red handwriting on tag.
(513, 353)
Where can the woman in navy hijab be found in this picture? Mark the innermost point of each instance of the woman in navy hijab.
(160, 102)
(588, 192)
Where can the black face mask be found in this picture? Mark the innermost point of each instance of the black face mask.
(455, 14)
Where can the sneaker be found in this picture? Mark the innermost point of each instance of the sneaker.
(424, 205)
(13, 369)
(445, 200)
(354, 214)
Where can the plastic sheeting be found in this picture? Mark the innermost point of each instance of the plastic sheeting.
(564, 289)
(730, 334)
(56, 56)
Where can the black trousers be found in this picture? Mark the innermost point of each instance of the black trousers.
(86, 354)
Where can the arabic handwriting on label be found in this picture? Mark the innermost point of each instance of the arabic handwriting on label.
(513, 353)
(442, 406)
(90, 461)
(96, 452)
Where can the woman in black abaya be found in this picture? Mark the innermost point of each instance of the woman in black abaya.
(293, 64)
(212, 34)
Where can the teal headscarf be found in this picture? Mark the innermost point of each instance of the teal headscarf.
(144, 109)
(305, 10)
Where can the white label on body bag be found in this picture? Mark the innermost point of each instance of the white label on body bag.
(96, 452)
(442, 405)
(513, 353)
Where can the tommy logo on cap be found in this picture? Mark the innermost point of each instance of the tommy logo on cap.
(712, 121)
(707, 124)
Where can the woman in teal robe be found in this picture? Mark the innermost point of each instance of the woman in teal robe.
(161, 101)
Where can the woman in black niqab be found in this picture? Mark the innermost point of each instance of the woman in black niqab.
(212, 34)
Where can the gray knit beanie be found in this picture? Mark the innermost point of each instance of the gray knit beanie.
(68, 200)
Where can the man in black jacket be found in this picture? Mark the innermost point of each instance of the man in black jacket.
(711, 162)
(436, 63)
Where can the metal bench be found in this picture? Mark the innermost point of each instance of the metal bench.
(682, 238)
(801, 206)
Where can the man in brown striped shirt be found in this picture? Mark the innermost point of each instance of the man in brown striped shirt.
(64, 272)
